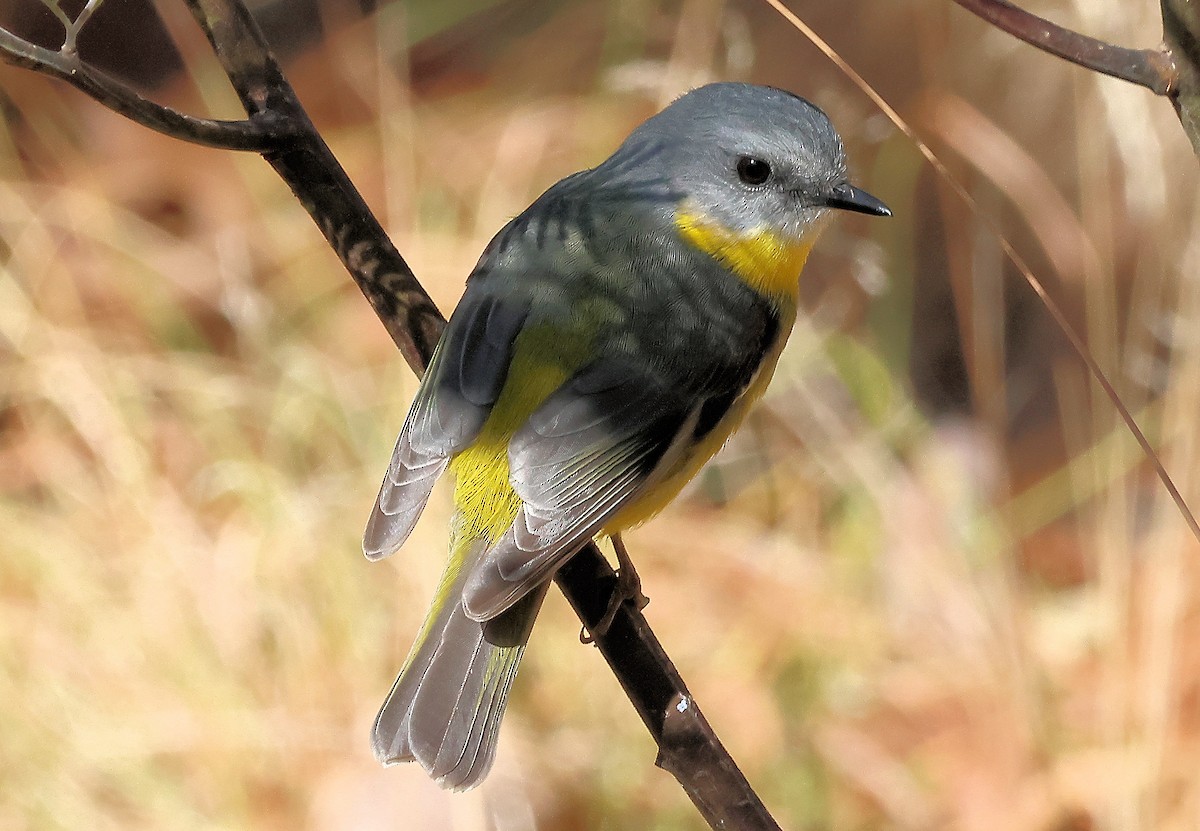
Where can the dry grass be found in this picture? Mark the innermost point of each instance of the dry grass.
(905, 598)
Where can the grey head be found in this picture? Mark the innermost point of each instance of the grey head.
(750, 157)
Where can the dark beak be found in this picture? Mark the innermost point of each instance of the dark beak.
(849, 198)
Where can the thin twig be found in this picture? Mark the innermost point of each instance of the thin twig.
(688, 747)
(1153, 69)
(260, 133)
(69, 46)
(63, 17)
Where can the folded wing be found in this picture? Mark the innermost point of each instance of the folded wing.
(462, 383)
(579, 459)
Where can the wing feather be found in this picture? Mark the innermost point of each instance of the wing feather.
(456, 396)
(581, 457)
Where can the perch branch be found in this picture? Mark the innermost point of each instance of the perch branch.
(688, 747)
(259, 134)
(1153, 69)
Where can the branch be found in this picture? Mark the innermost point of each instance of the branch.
(1153, 69)
(688, 747)
(1181, 32)
(259, 133)
(74, 27)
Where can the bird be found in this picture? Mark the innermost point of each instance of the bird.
(609, 340)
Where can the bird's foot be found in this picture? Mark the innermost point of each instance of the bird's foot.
(629, 587)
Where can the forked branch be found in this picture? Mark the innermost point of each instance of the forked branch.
(259, 133)
(72, 27)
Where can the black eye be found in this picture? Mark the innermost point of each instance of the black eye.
(753, 171)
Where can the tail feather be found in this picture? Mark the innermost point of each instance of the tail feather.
(444, 710)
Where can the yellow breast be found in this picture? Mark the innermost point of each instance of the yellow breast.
(766, 261)
(670, 482)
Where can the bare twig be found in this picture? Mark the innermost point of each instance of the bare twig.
(73, 28)
(259, 133)
(69, 26)
(1153, 69)
(1181, 32)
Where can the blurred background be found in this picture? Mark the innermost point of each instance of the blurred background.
(932, 584)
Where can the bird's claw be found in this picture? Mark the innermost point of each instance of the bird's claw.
(629, 587)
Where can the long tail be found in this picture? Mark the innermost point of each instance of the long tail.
(444, 710)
